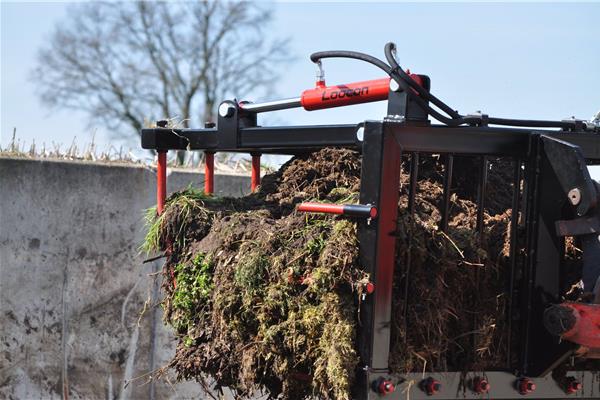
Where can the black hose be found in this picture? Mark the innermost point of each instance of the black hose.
(315, 57)
(454, 118)
(531, 123)
(458, 119)
(389, 49)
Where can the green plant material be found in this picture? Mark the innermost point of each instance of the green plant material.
(251, 268)
(343, 195)
(188, 341)
(194, 286)
(153, 223)
(175, 226)
(337, 353)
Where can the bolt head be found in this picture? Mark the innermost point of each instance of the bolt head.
(431, 386)
(573, 385)
(385, 387)
(574, 196)
(525, 386)
(481, 385)
(370, 287)
(360, 134)
(394, 87)
(226, 110)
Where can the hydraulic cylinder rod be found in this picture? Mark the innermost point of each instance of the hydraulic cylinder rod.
(272, 105)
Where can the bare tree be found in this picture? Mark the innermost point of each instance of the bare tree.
(128, 63)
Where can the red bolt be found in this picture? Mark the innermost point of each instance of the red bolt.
(385, 387)
(370, 287)
(481, 385)
(431, 386)
(525, 386)
(573, 385)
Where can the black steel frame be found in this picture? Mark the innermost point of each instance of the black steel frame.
(539, 271)
(382, 144)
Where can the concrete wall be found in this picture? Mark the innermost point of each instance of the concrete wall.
(72, 283)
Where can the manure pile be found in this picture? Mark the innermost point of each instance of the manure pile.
(265, 299)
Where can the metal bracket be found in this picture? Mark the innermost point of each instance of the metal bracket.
(570, 168)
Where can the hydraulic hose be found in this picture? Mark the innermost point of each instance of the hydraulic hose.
(532, 123)
(389, 55)
(453, 118)
(315, 57)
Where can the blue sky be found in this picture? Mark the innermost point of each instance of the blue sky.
(508, 60)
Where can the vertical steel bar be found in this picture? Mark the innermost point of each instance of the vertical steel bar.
(483, 178)
(414, 172)
(449, 166)
(209, 172)
(255, 171)
(380, 184)
(481, 191)
(161, 181)
(514, 223)
(531, 188)
(412, 191)
(386, 245)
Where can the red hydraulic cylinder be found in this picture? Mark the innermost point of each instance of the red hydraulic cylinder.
(255, 179)
(576, 322)
(209, 172)
(352, 93)
(343, 95)
(323, 96)
(161, 181)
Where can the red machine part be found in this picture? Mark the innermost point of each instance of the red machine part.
(322, 208)
(572, 385)
(343, 95)
(576, 322)
(356, 210)
(161, 195)
(481, 385)
(322, 96)
(161, 181)
(255, 179)
(431, 386)
(525, 386)
(385, 386)
(209, 172)
(370, 287)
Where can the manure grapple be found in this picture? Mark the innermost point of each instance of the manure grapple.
(553, 198)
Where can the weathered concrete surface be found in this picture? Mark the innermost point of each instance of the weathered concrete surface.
(72, 283)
